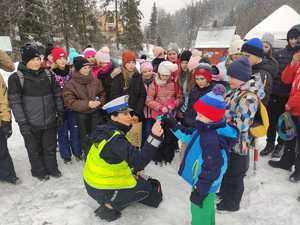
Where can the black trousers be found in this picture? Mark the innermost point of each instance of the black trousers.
(291, 154)
(41, 149)
(7, 170)
(275, 108)
(87, 123)
(297, 144)
(120, 199)
(232, 187)
(166, 151)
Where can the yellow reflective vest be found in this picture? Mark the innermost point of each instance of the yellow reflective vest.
(99, 174)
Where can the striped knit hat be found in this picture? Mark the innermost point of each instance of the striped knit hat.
(212, 105)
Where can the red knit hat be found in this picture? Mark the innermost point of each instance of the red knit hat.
(212, 105)
(128, 56)
(57, 53)
(203, 72)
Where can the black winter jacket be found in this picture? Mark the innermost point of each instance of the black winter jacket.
(38, 102)
(136, 91)
(190, 114)
(284, 57)
(105, 77)
(119, 149)
(264, 69)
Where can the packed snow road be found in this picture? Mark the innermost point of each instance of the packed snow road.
(269, 198)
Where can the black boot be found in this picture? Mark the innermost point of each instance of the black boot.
(107, 214)
(286, 162)
(13, 180)
(277, 153)
(223, 206)
(267, 150)
(56, 174)
(42, 177)
(295, 177)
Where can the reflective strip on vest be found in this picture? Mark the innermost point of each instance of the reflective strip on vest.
(101, 175)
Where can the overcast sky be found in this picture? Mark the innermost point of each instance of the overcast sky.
(168, 5)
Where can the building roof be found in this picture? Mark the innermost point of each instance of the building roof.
(5, 44)
(278, 23)
(220, 37)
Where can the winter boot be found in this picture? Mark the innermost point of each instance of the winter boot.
(223, 206)
(42, 178)
(57, 174)
(67, 161)
(267, 150)
(295, 177)
(78, 158)
(107, 214)
(277, 153)
(286, 162)
(14, 180)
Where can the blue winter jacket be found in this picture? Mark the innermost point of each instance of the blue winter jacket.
(205, 160)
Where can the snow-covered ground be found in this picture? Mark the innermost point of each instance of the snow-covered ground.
(269, 199)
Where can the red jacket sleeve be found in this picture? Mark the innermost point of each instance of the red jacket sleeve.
(289, 73)
(293, 101)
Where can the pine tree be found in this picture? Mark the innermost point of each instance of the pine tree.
(153, 25)
(32, 21)
(132, 37)
(76, 20)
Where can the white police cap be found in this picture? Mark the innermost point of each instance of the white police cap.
(119, 104)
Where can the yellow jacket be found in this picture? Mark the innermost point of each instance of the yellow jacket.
(5, 64)
(99, 174)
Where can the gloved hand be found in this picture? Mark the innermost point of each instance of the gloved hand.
(197, 199)
(25, 128)
(6, 128)
(60, 121)
(169, 121)
(171, 104)
(164, 109)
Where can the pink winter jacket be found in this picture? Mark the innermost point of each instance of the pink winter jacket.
(165, 95)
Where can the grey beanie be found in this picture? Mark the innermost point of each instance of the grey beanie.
(240, 70)
(269, 38)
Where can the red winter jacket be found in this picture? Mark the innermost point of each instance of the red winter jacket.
(291, 75)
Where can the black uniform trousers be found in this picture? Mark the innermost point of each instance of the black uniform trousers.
(120, 199)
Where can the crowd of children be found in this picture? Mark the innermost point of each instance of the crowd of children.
(210, 109)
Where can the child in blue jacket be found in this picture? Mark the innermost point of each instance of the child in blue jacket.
(205, 160)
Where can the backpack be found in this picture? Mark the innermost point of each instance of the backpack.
(260, 125)
(21, 77)
(155, 195)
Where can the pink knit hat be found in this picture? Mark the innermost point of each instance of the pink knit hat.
(158, 52)
(146, 65)
(194, 60)
(89, 53)
(103, 56)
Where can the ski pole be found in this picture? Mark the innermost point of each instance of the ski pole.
(255, 160)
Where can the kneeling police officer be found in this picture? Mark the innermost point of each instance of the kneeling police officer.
(112, 162)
